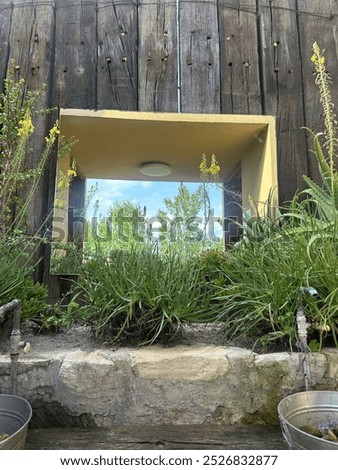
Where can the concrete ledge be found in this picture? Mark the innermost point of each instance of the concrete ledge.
(181, 385)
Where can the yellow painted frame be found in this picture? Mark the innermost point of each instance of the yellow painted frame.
(113, 144)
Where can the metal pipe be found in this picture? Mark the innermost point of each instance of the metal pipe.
(302, 326)
(14, 304)
(15, 339)
(178, 63)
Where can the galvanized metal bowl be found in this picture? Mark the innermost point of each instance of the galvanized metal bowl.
(15, 414)
(315, 408)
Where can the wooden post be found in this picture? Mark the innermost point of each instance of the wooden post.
(157, 60)
(75, 54)
(117, 74)
(282, 86)
(239, 57)
(6, 9)
(200, 59)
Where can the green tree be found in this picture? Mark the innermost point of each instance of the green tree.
(124, 227)
(184, 220)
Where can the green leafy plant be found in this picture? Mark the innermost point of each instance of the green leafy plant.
(15, 277)
(212, 262)
(263, 288)
(281, 253)
(325, 198)
(66, 258)
(141, 296)
(18, 108)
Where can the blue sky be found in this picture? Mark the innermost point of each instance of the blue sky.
(145, 193)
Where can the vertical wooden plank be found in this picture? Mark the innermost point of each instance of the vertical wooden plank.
(157, 56)
(283, 91)
(117, 55)
(5, 25)
(240, 80)
(75, 54)
(31, 41)
(318, 22)
(200, 70)
(31, 48)
(75, 79)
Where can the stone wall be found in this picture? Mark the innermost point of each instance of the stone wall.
(200, 384)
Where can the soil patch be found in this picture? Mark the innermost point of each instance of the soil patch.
(83, 337)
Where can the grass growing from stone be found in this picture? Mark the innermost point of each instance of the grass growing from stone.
(141, 295)
(279, 255)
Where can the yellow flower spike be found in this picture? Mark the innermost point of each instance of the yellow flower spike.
(26, 127)
(64, 181)
(214, 167)
(53, 133)
(212, 170)
(59, 204)
(203, 165)
(317, 57)
(71, 173)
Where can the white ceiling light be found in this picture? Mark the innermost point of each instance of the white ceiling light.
(155, 169)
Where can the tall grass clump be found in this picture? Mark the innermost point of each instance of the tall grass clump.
(279, 255)
(263, 287)
(16, 278)
(139, 295)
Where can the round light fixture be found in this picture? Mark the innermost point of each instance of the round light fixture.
(155, 169)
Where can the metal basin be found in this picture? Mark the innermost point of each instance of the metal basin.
(15, 414)
(315, 408)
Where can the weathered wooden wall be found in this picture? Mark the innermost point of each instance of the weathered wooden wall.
(223, 56)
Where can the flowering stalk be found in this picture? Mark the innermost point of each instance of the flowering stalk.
(330, 120)
(211, 170)
(17, 110)
(326, 199)
(64, 182)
